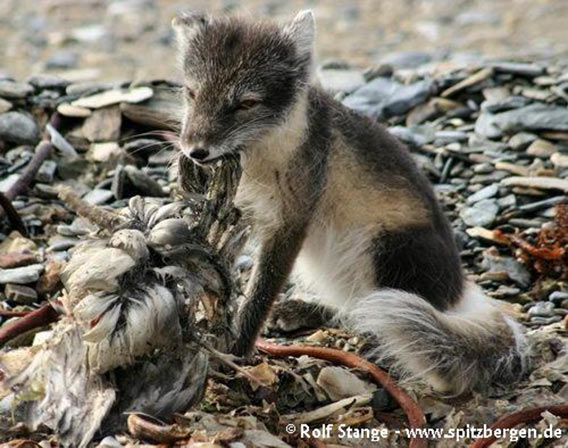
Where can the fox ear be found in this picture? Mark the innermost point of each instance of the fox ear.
(186, 25)
(302, 30)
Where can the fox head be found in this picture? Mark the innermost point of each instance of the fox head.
(241, 79)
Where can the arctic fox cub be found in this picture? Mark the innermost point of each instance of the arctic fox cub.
(339, 199)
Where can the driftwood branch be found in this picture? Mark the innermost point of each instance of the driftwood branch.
(34, 319)
(521, 417)
(416, 418)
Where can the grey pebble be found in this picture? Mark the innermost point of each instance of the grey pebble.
(46, 172)
(19, 128)
(542, 309)
(22, 295)
(485, 193)
(98, 196)
(23, 275)
(557, 297)
(481, 213)
(15, 90)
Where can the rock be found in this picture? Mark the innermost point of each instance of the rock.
(17, 243)
(46, 172)
(111, 97)
(472, 80)
(98, 196)
(340, 80)
(103, 152)
(15, 90)
(415, 136)
(161, 111)
(68, 110)
(22, 295)
(559, 160)
(142, 182)
(5, 106)
(49, 82)
(339, 383)
(558, 297)
(383, 98)
(542, 309)
(245, 263)
(521, 140)
(484, 193)
(19, 128)
(512, 102)
(63, 60)
(541, 148)
(103, 125)
(480, 214)
(493, 262)
(536, 117)
(518, 68)
(60, 142)
(7, 183)
(406, 59)
(23, 275)
(539, 183)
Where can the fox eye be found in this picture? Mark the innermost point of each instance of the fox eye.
(189, 92)
(247, 104)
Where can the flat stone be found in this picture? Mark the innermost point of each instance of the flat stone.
(484, 193)
(63, 59)
(15, 90)
(512, 102)
(493, 262)
(142, 182)
(22, 295)
(539, 183)
(103, 152)
(98, 196)
(542, 309)
(61, 143)
(535, 117)
(470, 81)
(541, 148)
(68, 110)
(560, 160)
(340, 80)
(103, 125)
(480, 214)
(384, 98)
(518, 68)
(19, 128)
(46, 172)
(7, 183)
(21, 276)
(45, 81)
(5, 106)
(521, 140)
(558, 297)
(159, 112)
(406, 59)
(104, 99)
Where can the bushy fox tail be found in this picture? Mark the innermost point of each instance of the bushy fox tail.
(470, 347)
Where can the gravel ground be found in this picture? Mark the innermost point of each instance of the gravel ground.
(131, 39)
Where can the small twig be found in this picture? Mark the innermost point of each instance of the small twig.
(225, 359)
(35, 319)
(525, 416)
(416, 417)
(23, 183)
(143, 429)
(13, 215)
(97, 215)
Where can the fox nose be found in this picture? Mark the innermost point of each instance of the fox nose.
(198, 153)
